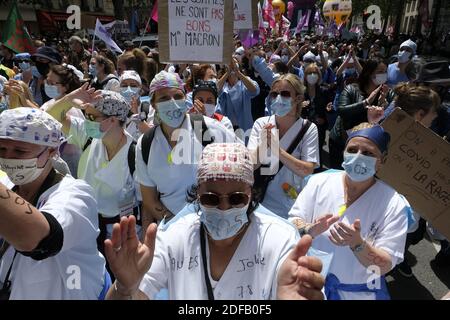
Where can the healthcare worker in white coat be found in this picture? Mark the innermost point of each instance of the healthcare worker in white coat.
(107, 159)
(355, 218)
(58, 257)
(224, 247)
(288, 130)
(173, 153)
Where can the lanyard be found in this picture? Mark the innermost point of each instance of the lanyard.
(205, 263)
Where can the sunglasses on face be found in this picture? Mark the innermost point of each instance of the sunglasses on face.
(235, 199)
(284, 94)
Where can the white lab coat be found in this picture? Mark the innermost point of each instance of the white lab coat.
(276, 199)
(173, 179)
(382, 212)
(251, 274)
(114, 188)
(77, 271)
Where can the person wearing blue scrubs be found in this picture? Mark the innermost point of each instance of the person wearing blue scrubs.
(397, 70)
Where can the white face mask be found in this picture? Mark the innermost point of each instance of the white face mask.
(312, 78)
(21, 171)
(210, 109)
(380, 78)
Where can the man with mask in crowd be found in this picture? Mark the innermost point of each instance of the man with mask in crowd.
(397, 70)
(77, 52)
(44, 58)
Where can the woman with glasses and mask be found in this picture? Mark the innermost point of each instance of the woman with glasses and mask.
(48, 221)
(364, 101)
(359, 222)
(205, 97)
(221, 247)
(107, 161)
(298, 149)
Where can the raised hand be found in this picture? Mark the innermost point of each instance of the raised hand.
(128, 258)
(299, 277)
(84, 95)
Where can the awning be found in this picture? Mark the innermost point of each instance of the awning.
(50, 21)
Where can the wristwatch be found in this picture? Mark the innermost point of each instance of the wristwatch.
(359, 247)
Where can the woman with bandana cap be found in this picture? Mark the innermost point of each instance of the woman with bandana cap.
(221, 247)
(359, 222)
(107, 148)
(205, 97)
(173, 154)
(52, 210)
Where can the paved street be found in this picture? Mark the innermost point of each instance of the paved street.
(429, 281)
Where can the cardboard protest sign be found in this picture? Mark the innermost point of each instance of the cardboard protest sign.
(418, 167)
(195, 32)
(245, 14)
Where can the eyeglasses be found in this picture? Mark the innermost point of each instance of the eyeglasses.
(284, 94)
(91, 117)
(235, 199)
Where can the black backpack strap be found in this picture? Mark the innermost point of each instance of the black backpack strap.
(87, 144)
(132, 157)
(195, 118)
(147, 140)
(106, 80)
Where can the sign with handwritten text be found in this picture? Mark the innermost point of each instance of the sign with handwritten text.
(192, 31)
(418, 167)
(245, 14)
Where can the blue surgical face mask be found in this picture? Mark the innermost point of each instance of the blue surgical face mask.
(93, 70)
(281, 106)
(24, 66)
(93, 129)
(172, 112)
(129, 92)
(51, 91)
(404, 56)
(359, 167)
(35, 72)
(223, 224)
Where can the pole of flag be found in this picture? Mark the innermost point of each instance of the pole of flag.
(93, 38)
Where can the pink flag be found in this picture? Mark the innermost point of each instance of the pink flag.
(155, 12)
(291, 8)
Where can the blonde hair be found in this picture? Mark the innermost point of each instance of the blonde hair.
(296, 83)
(314, 68)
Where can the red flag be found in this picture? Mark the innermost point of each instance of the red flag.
(155, 11)
(15, 34)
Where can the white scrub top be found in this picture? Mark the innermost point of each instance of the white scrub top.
(173, 171)
(276, 200)
(382, 212)
(114, 188)
(77, 271)
(251, 274)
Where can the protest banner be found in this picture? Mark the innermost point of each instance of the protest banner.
(245, 14)
(194, 32)
(418, 167)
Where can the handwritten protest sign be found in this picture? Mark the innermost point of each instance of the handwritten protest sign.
(192, 31)
(245, 14)
(418, 166)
